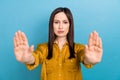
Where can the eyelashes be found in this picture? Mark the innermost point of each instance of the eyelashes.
(64, 22)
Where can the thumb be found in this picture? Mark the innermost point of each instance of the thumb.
(86, 48)
(31, 49)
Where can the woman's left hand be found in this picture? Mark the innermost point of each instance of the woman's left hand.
(93, 51)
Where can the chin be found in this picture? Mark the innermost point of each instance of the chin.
(61, 35)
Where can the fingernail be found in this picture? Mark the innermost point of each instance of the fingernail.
(16, 33)
(19, 31)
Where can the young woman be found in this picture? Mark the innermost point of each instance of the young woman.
(61, 56)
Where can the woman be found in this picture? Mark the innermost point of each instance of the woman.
(61, 56)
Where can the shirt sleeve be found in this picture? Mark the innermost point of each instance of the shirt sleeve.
(79, 49)
(39, 55)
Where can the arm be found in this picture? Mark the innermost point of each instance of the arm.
(93, 51)
(80, 51)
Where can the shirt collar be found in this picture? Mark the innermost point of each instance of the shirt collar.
(66, 43)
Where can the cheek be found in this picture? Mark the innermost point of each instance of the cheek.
(55, 29)
(67, 29)
(55, 26)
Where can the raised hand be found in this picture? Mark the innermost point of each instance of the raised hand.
(93, 51)
(23, 52)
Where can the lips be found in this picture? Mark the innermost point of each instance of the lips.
(60, 32)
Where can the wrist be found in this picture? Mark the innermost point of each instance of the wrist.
(31, 60)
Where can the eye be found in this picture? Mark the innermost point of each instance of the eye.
(65, 22)
(56, 22)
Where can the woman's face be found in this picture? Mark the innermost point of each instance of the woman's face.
(61, 24)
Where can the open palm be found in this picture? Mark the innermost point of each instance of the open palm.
(93, 51)
(21, 48)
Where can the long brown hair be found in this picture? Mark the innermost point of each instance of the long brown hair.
(70, 35)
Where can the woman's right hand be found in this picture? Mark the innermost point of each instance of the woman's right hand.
(23, 52)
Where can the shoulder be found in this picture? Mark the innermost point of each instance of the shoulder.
(78, 47)
(42, 46)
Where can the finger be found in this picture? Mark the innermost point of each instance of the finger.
(24, 38)
(31, 49)
(95, 34)
(90, 41)
(16, 34)
(100, 42)
(86, 48)
(15, 50)
(97, 41)
(20, 38)
(17, 40)
(15, 43)
(14, 40)
(96, 38)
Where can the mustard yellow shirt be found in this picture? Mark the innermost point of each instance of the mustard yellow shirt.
(59, 67)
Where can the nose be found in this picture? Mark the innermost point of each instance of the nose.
(60, 26)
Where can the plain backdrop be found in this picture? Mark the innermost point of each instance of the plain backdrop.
(32, 17)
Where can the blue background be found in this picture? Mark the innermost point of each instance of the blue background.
(32, 17)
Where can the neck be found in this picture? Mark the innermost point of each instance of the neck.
(61, 40)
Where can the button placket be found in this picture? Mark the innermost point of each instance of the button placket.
(60, 66)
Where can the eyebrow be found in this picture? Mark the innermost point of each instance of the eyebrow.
(59, 20)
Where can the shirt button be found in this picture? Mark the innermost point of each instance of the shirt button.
(60, 64)
(59, 75)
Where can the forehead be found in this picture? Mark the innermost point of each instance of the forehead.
(61, 16)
